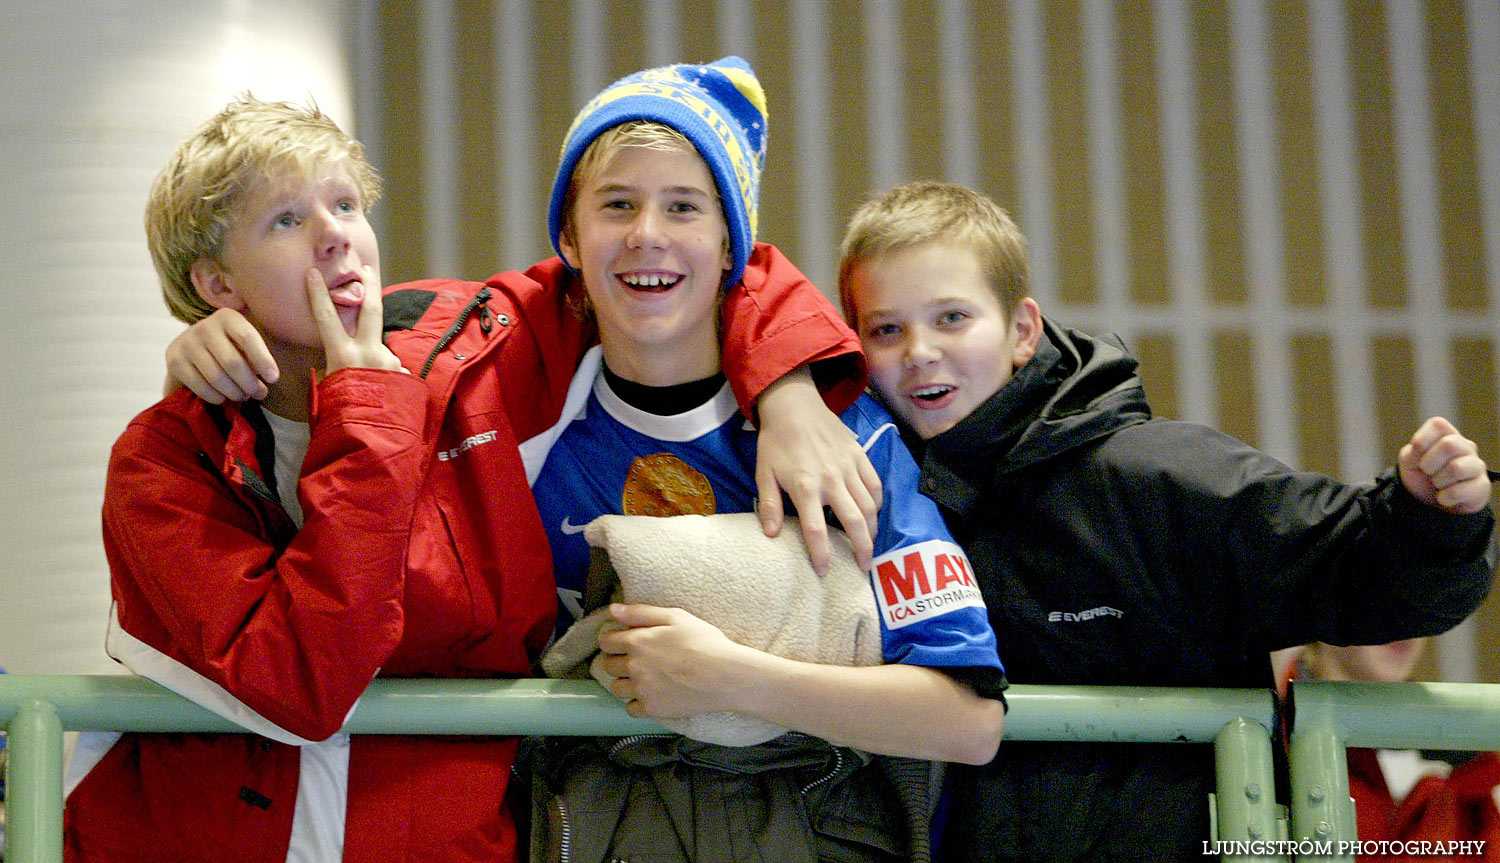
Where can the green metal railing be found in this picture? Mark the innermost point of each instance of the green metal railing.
(1328, 716)
(38, 709)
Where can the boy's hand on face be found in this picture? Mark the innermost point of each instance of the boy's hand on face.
(1442, 469)
(364, 349)
(221, 357)
(808, 451)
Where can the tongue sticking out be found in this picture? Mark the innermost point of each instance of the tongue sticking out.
(350, 293)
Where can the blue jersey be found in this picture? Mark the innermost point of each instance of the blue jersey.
(608, 458)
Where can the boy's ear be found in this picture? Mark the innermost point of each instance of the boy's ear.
(567, 247)
(210, 283)
(1027, 323)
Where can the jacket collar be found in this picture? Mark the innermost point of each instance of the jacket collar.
(248, 460)
(1074, 390)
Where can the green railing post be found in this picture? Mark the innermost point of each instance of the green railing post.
(33, 786)
(1245, 788)
(1322, 811)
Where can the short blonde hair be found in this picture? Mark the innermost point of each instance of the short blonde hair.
(923, 212)
(646, 134)
(196, 196)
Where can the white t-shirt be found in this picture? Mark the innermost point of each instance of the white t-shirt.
(292, 438)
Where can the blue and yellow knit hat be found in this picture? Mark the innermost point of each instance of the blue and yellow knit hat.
(718, 106)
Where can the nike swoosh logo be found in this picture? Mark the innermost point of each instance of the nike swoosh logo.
(568, 528)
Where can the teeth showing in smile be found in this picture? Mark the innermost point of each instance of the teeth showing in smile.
(932, 392)
(653, 280)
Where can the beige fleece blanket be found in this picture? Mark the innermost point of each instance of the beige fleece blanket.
(761, 592)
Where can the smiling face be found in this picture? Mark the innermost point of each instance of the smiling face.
(285, 226)
(648, 236)
(936, 337)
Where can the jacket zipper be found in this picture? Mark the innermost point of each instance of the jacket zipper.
(838, 765)
(458, 325)
(565, 832)
(634, 738)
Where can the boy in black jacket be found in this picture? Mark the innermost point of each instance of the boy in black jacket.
(1113, 548)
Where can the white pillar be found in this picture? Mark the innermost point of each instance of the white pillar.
(96, 96)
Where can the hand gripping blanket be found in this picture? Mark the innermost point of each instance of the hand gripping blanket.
(760, 591)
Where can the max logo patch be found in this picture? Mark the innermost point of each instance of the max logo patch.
(923, 581)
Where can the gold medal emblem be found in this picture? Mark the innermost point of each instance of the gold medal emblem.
(662, 485)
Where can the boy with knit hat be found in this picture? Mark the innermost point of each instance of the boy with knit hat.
(496, 359)
(653, 205)
(1117, 549)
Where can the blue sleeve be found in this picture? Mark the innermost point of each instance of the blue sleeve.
(931, 610)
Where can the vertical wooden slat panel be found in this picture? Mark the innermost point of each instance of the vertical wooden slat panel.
(556, 104)
(403, 256)
(1395, 393)
(1457, 161)
(773, 66)
(1305, 269)
(844, 34)
(1317, 402)
(479, 240)
(625, 38)
(1487, 638)
(1476, 375)
(700, 34)
(994, 90)
(1218, 148)
(1476, 382)
(1316, 392)
(1157, 353)
(1380, 194)
(1141, 115)
(922, 71)
(1234, 370)
(1072, 192)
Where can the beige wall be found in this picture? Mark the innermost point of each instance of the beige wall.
(96, 96)
(1291, 210)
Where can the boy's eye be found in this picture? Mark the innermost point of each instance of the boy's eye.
(683, 207)
(882, 331)
(618, 204)
(286, 220)
(952, 317)
(346, 206)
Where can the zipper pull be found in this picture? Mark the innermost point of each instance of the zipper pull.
(486, 322)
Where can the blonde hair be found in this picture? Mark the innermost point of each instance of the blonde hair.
(923, 212)
(196, 196)
(646, 134)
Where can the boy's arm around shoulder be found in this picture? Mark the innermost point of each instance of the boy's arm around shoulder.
(783, 345)
(211, 587)
(776, 320)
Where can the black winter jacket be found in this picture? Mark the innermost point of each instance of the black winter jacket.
(1113, 548)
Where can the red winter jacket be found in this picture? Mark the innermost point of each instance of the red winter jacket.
(218, 596)
(1459, 806)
